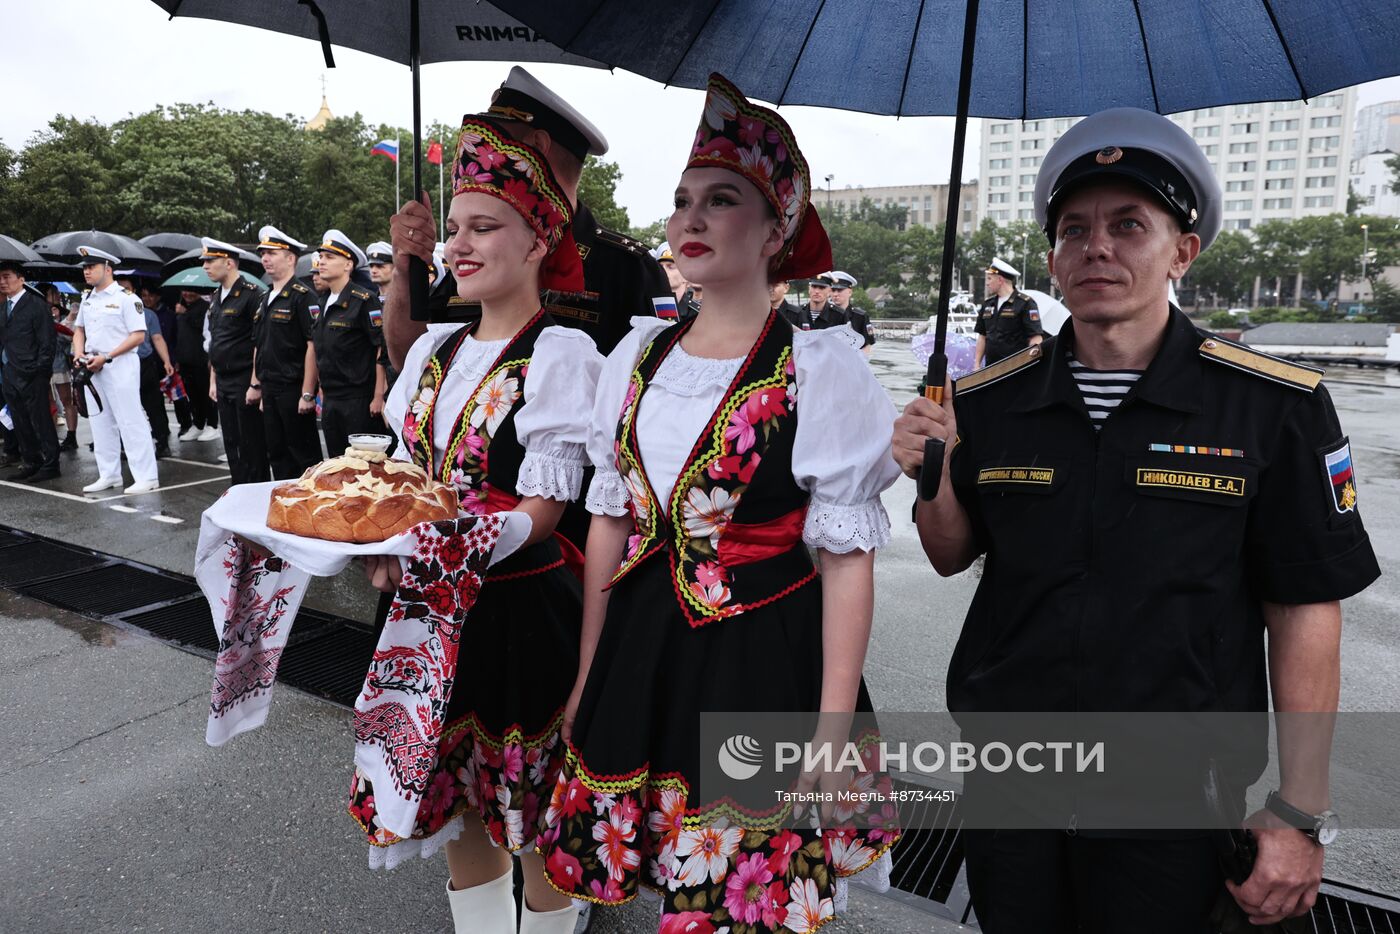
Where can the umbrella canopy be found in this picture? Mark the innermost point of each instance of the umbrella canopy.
(170, 245)
(13, 251)
(449, 30)
(1042, 58)
(63, 247)
(195, 280)
(191, 258)
(45, 271)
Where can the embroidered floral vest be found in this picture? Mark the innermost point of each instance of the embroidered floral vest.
(732, 529)
(483, 454)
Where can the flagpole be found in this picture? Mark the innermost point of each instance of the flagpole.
(398, 151)
(442, 225)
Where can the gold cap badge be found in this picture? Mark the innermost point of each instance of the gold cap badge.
(1108, 155)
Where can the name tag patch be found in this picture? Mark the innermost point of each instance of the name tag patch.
(1190, 480)
(1038, 476)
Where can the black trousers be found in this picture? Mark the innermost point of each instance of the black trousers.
(34, 434)
(201, 411)
(245, 442)
(152, 400)
(292, 442)
(1049, 882)
(343, 416)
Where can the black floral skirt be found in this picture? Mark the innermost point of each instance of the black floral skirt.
(500, 752)
(623, 813)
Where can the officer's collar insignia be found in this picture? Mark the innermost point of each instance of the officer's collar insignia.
(510, 113)
(1341, 477)
(1108, 155)
(583, 251)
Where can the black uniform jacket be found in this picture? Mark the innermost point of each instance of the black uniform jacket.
(232, 324)
(621, 280)
(284, 329)
(189, 334)
(829, 317)
(349, 337)
(1009, 329)
(1126, 567)
(28, 338)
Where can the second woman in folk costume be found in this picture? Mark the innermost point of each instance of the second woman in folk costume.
(499, 408)
(724, 447)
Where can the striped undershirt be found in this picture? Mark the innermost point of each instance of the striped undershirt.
(1102, 389)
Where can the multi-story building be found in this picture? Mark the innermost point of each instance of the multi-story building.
(1377, 129)
(927, 204)
(1286, 159)
(1371, 179)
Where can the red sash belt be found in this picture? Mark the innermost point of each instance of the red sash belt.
(501, 501)
(744, 543)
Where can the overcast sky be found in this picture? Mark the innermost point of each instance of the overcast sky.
(110, 58)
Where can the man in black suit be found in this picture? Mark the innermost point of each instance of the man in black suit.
(27, 345)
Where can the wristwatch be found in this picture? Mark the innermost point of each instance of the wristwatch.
(1322, 828)
(307, 397)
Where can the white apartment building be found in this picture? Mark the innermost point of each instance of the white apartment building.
(927, 204)
(1286, 159)
(1377, 129)
(1371, 179)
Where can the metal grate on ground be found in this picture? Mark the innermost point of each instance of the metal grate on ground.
(109, 590)
(1344, 909)
(332, 664)
(38, 560)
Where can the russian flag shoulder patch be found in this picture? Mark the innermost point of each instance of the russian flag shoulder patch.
(1341, 477)
(665, 307)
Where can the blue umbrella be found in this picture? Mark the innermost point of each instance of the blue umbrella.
(1011, 58)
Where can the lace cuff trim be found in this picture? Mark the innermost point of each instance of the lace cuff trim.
(607, 494)
(389, 857)
(842, 528)
(552, 476)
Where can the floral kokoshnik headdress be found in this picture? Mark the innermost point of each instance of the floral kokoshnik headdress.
(492, 162)
(758, 144)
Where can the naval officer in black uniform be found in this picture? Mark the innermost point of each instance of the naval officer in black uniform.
(621, 279)
(349, 340)
(285, 359)
(232, 320)
(818, 312)
(856, 317)
(1151, 500)
(1008, 321)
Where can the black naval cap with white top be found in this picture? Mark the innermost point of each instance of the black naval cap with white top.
(1142, 147)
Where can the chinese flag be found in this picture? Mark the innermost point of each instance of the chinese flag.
(435, 154)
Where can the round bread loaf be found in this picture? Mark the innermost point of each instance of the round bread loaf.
(360, 497)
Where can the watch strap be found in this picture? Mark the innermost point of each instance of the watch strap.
(1291, 815)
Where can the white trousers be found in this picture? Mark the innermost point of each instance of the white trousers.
(122, 422)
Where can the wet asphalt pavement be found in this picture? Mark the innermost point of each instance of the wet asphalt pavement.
(120, 818)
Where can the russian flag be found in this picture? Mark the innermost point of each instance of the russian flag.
(386, 147)
(665, 307)
(1339, 465)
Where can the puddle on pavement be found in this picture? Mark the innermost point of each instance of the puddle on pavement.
(89, 630)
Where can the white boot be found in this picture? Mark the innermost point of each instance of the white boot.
(488, 908)
(560, 921)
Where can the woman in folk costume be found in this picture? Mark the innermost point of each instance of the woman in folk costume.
(724, 446)
(499, 408)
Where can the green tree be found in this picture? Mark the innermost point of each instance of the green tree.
(64, 181)
(1226, 270)
(1393, 163)
(1023, 244)
(597, 188)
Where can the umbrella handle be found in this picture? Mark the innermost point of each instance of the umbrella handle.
(931, 473)
(418, 287)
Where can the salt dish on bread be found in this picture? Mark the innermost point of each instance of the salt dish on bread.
(362, 496)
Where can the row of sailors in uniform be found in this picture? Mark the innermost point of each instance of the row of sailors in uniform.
(272, 354)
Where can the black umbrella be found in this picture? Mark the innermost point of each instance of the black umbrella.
(13, 251)
(409, 32)
(170, 245)
(248, 262)
(63, 247)
(45, 271)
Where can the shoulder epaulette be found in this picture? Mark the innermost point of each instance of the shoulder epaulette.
(999, 371)
(298, 287)
(616, 239)
(359, 292)
(1261, 364)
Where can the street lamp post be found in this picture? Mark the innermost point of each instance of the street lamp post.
(1025, 264)
(1365, 248)
(828, 192)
